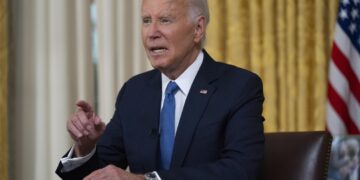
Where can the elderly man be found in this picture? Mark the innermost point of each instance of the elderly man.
(189, 118)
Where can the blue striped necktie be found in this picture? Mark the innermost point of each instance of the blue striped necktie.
(167, 125)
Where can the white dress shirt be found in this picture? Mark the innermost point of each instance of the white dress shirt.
(184, 81)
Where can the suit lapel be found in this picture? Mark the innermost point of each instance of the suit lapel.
(151, 122)
(196, 102)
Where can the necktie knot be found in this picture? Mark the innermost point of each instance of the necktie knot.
(171, 88)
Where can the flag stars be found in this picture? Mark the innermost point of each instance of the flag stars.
(343, 14)
(356, 2)
(352, 28)
(345, 2)
(354, 13)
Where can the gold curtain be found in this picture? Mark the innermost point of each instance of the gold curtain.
(288, 44)
(3, 90)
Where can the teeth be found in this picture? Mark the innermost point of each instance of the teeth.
(159, 50)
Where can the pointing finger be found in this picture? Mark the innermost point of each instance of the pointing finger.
(86, 107)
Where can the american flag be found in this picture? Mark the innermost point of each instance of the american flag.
(343, 107)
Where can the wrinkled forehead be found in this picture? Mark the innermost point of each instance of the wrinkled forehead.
(164, 6)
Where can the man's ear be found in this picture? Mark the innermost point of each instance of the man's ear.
(200, 29)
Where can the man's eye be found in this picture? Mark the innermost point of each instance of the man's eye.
(146, 21)
(165, 21)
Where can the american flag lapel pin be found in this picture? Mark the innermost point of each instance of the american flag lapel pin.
(203, 91)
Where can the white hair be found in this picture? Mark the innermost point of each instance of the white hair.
(199, 8)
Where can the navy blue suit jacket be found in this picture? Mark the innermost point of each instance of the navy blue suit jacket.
(220, 134)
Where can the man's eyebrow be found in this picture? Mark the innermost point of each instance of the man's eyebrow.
(166, 15)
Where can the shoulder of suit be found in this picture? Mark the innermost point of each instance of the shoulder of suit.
(145, 76)
(235, 70)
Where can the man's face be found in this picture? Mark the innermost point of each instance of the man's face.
(170, 38)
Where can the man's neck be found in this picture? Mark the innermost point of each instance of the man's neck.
(174, 74)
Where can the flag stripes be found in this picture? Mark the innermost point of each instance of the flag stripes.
(343, 108)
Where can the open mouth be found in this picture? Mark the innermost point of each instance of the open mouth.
(158, 50)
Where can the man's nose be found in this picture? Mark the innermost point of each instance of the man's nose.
(154, 31)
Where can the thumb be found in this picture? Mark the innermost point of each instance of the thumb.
(99, 124)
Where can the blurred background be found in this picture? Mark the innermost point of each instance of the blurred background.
(55, 52)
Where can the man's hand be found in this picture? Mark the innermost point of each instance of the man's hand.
(112, 172)
(85, 128)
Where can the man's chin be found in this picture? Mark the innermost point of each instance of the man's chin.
(157, 62)
(159, 67)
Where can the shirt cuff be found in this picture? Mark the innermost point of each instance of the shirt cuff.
(70, 163)
(157, 175)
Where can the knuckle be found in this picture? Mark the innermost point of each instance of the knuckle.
(73, 119)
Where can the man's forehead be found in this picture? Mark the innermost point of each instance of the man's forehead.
(170, 5)
(180, 3)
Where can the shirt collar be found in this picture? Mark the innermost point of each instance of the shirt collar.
(185, 80)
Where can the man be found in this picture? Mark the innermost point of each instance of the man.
(208, 126)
